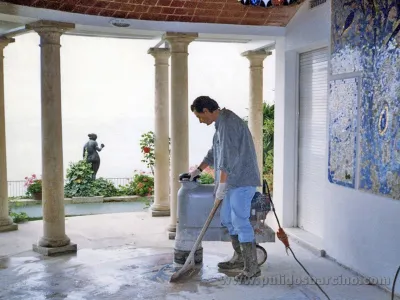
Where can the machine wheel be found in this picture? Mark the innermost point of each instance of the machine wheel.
(261, 255)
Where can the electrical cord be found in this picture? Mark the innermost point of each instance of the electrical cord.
(394, 282)
(282, 236)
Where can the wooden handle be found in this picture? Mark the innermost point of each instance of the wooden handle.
(217, 203)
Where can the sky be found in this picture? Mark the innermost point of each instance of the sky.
(108, 89)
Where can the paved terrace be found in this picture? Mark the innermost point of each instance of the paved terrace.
(128, 256)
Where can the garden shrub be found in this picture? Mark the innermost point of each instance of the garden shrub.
(80, 182)
(143, 185)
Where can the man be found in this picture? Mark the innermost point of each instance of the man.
(234, 160)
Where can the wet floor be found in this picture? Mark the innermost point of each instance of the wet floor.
(128, 256)
(128, 273)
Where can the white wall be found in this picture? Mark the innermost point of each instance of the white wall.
(360, 229)
(108, 88)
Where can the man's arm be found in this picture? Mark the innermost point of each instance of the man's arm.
(208, 159)
(203, 166)
(223, 177)
(229, 145)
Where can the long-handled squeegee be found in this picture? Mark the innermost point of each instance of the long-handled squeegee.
(190, 263)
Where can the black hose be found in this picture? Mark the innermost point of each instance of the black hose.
(394, 282)
(308, 274)
(266, 189)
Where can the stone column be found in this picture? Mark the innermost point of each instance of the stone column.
(255, 122)
(54, 239)
(179, 43)
(6, 222)
(161, 206)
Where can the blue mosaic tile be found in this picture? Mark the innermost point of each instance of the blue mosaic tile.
(365, 38)
(343, 105)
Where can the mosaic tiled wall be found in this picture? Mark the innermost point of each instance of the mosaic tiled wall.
(364, 102)
(343, 102)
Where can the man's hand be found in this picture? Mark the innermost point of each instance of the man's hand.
(194, 173)
(221, 191)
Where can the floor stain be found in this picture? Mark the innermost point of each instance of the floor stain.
(122, 272)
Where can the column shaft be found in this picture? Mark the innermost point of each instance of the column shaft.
(256, 118)
(6, 222)
(161, 206)
(52, 146)
(179, 114)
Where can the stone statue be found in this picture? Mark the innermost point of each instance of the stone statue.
(91, 147)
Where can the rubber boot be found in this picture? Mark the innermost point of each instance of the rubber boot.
(251, 268)
(236, 262)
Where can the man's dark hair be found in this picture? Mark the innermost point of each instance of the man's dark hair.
(202, 102)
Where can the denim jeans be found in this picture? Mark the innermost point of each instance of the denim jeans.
(235, 212)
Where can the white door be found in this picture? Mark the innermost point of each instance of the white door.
(312, 141)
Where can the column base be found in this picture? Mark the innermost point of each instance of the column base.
(10, 227)
(171, 235)
(157, 211)
(160, 213)
(53, 251)
(171, 231)
(172, 228)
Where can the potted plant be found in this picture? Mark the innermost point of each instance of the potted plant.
(34, 187)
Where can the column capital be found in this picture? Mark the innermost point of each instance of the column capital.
(179, 42)
(160, 53)
(256, 57)
(50, 26)
(179, 37)
(49, 31)
(4, 42)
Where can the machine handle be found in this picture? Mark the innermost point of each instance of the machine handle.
(184, 176)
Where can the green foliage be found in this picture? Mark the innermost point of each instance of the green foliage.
(206, 178)
(126, 190)
(141, 185)
(268, 141)
(147, 148)
(269, 162)
(19, 217)
(268, 137)
(33, 185)
(269, 177)
(104, 187)
(80, 182)
(80, 172)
